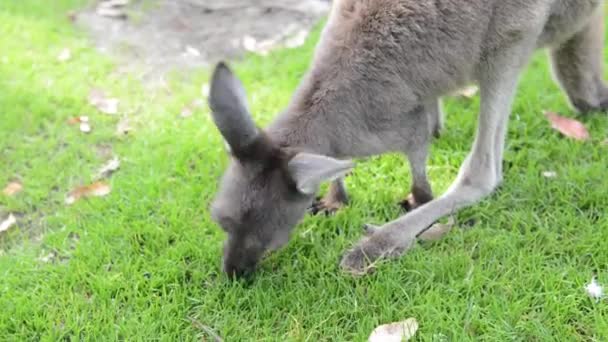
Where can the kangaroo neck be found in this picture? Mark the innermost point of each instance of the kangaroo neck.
(302, 130)
(314, 117)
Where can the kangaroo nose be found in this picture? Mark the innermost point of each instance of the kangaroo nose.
(239, 261)
(238, 271)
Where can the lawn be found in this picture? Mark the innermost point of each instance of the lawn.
(144, 262)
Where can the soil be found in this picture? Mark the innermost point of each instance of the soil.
(164, 35)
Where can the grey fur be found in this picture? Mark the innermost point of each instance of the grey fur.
(379, 70)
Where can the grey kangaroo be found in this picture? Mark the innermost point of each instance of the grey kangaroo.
(374, 86)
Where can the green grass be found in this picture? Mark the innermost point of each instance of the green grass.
(144, 262)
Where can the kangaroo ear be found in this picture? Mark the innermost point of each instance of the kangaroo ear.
(228, 104)
(310, 170)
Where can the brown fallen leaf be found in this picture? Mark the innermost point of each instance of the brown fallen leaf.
(261, 48)
(72, 16)
(108, 106)
(468, 92)
(108, 168)
(549, 174)
(198, 103)
(297, 39)
(594, 289)
(97, 189)
(83, 122)
(85, 127)
(568, 127)
(115, 3)
(395, 332)
(205, 90)
(188, 110)
(99, 100)
(7, 223)
(96, 95)
(437, 231)
(104, 151)
(77, 119)
(191, 52)
(64, 55)
(112, 9)
(12, 188)
(50, 257)
(123, 127)
(249, 43)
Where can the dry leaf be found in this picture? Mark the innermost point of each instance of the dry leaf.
(12, 188)
(64, 55)
(78, 119)
(249, 43)
(49, 257)
(594, 289)
(108, 106)
(96, 96)
(198, 103)
(98, 99)
(83, 122)
(549, 174)
(437, 231)
(104, 150)
(395, 332)
(296, 40)
(9, 222)
(205, 90)
(97, 189)
(192, 51)
(467, 92)
(123, 127)
(568, 127)
(72, 16)
(114, 3)
(264, 47)
(188, 110)
(109, 168)
(110, 11)
(85, 127)
(261, 48)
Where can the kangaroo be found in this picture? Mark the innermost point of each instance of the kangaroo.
(374, 86)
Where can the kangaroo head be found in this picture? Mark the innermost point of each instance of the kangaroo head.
(266, 189)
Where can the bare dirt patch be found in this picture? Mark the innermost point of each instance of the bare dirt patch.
(163, 35)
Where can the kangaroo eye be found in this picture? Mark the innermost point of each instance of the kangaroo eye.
(226, 228)
(226, 223)
(222, 218)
